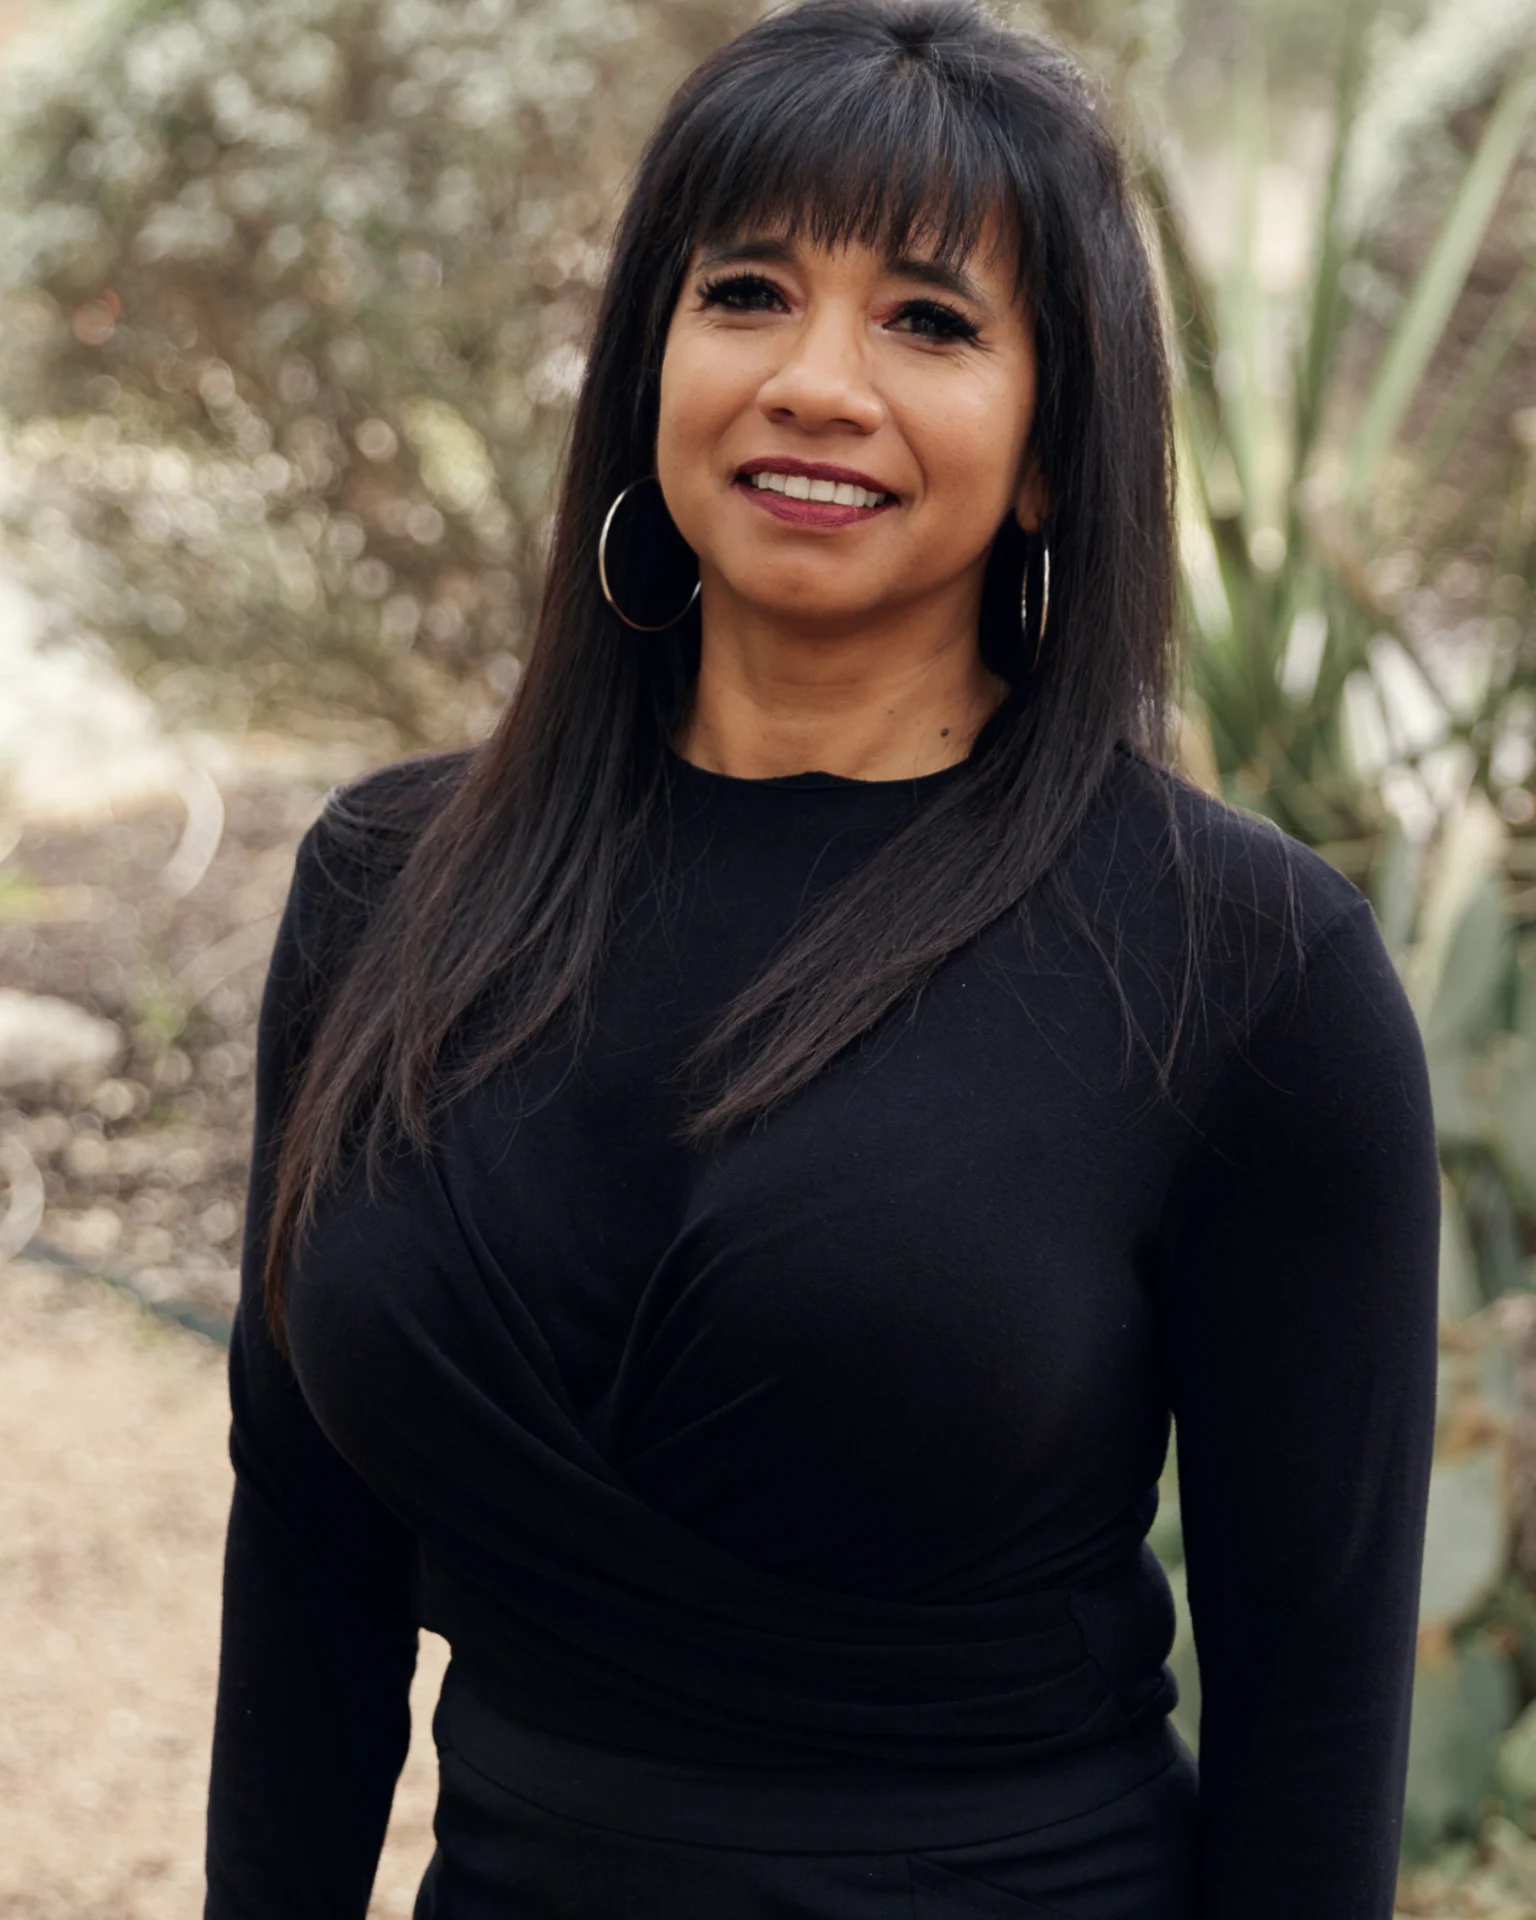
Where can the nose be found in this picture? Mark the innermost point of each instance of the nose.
(824, 379)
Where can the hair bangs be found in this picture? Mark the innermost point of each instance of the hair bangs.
(882, 152)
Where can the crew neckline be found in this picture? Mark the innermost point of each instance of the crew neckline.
(813, 780)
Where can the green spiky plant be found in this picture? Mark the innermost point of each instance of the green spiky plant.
(1284, 528)
(1317, 696)
(1300, 648)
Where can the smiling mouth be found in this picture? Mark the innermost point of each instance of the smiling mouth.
(802, 486)
(813, 496)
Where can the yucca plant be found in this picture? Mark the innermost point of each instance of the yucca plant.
(1321, 696)
(1300, 653)
(1300, 643)
(1316, 696)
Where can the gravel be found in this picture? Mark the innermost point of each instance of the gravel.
(143, 1169)
(114, 1485)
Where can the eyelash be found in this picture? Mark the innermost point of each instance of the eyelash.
(745, 293)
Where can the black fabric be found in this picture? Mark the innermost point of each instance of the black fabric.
(860, 1806)
(839, 1443)
(529, 1824)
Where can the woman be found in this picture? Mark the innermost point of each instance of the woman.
(749, 1160)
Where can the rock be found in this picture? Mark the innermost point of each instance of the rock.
(45, 1043)
(1517, 1760)
(1464, 1697)
(1466, 1541)
(78, 740)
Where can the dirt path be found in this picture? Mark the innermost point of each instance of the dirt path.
(113, 1491)
(134, 887)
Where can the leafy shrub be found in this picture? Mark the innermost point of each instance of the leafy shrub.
(292, 301)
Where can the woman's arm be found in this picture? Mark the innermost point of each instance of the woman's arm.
(1300, 1261)
(319, 1638)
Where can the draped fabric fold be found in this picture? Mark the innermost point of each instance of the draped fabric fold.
(839, 1442)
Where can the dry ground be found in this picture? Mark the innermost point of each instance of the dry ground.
(113, 1490)
(144, 1173)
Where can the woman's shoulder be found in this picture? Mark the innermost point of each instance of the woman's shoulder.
(363, 837)
(1185, 891)
(372, 822)
(1238, 868)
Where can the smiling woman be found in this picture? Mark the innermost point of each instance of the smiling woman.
(750, 1161)
(778, 352)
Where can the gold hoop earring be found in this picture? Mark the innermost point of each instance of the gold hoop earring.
(602, 566)
(1045, 601)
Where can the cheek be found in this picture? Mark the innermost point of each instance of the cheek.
(677, 436)
(695, 406)
(972, 449)
(705, 384)
(673, 422)
(974, 430)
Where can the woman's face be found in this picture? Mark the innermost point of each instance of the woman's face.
(842, 434)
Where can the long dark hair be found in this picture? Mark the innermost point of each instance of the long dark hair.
(875, 121)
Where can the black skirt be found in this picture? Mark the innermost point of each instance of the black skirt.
(534, 1827)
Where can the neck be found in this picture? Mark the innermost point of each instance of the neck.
(890, 703)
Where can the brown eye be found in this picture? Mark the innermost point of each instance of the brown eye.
(932, 320)
(741, 293)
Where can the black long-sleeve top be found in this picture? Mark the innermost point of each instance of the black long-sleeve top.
(840, 1440)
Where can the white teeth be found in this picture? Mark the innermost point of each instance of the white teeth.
(796, 486)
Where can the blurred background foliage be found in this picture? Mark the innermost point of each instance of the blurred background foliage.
(292, 307)
(293, 303)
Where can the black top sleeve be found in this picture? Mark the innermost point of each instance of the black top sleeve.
(1291, 1235)
(1300, 1264)
(319, 1635)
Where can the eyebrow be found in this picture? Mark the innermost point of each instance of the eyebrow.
(934, 273)
(905, 266)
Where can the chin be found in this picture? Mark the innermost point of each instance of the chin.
(775, 593)
(829, 627)
(816, 611)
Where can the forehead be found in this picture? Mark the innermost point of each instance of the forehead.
(988, 257)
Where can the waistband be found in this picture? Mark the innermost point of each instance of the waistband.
(843, 1808)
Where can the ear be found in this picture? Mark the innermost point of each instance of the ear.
(1031, 504)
